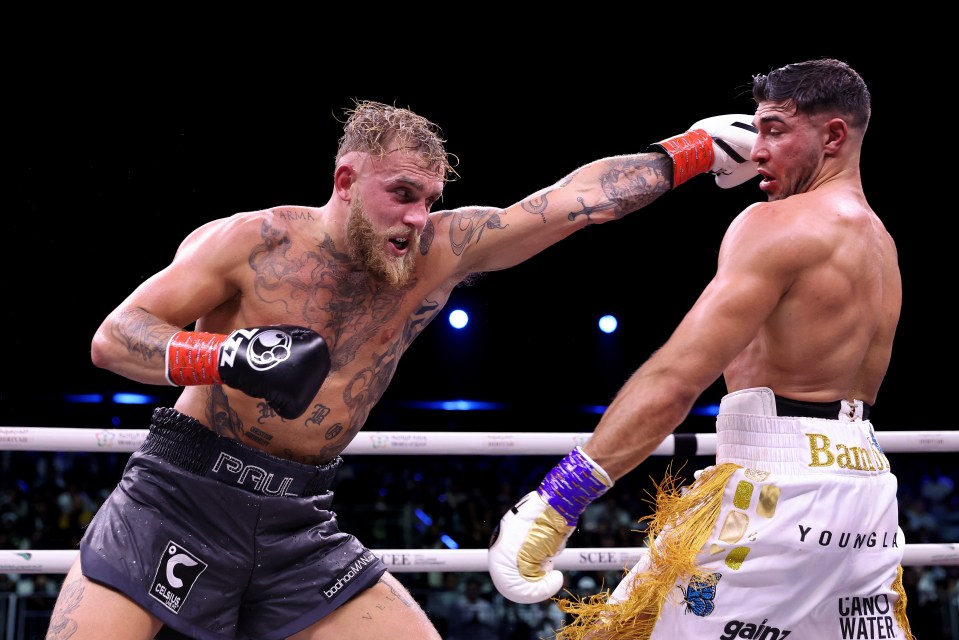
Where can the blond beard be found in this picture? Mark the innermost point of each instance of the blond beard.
(365, 247)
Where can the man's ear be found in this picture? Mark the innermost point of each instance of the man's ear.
(343, 178)
(837, 131)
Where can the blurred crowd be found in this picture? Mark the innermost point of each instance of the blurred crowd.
(438, 502)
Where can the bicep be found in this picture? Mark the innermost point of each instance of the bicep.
(726, 317)
(490, 239)
(132, 339)
(759, 260)
(200, 278)
(730, 313)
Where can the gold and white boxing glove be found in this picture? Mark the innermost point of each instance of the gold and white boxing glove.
(535, 530)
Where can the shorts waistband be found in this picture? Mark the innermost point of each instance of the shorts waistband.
(762, 401)
(806, 409)
(184, 442)
(752, 434)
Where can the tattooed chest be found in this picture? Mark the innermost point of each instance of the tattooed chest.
(316, 287)
(367, 325)
(366, 359)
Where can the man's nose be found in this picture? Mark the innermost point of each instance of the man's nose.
(416, 215)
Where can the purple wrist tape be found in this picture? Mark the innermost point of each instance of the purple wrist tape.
(571, 485)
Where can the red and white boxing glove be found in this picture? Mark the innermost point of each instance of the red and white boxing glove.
(283, 364)
(719, 145)
(535, 530)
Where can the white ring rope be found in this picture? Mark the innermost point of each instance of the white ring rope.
(436, 442)
(471, 560)
(441, 443)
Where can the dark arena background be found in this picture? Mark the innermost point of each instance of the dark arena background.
(111, 163)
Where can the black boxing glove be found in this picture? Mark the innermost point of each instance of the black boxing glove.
(283, 364)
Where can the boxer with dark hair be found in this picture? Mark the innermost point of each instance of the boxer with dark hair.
(795, 530)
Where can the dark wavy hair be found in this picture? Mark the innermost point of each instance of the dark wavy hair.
(817, 86)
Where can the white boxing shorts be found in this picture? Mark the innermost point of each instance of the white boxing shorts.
(794, 533)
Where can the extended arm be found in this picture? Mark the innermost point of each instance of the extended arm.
(490, 239)
(653, 402)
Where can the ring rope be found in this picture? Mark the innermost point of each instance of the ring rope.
(441, 443)
(437, 442)
(470, 560)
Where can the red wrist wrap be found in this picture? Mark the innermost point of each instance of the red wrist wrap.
(192, 358)
(692, 154)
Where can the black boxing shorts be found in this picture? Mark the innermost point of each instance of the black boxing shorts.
(219, 540)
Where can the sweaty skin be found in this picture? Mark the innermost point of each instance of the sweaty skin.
(291, 265)
(805, 299)
(367, 271)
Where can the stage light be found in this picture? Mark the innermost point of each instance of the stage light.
(133, 398)
(608, 324)
(458, 318)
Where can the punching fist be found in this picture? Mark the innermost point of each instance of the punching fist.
(719, 145)
(535, 530)
(283, 364)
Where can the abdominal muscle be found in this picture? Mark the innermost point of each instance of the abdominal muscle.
(315, 438)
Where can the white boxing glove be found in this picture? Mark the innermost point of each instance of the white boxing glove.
(535, 530)
(719, 145)
(521, 554)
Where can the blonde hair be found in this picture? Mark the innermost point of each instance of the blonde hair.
(377, 128)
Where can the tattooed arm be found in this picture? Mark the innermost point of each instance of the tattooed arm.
(200, 281)
(489, 239)
(598, 192)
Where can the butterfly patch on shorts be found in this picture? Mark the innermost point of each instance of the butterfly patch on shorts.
(699, 595)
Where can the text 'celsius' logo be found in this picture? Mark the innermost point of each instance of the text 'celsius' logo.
(176, 573)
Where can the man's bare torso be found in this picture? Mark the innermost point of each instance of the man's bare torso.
(302, 279)
(830, 333)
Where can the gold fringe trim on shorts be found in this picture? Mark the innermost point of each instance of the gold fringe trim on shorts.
(900, 608)
(681, 525)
